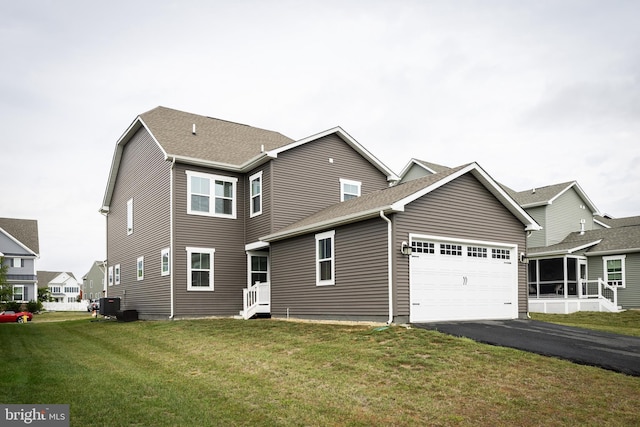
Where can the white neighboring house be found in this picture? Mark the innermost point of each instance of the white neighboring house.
(64, 289)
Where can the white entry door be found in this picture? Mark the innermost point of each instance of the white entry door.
(457, 280)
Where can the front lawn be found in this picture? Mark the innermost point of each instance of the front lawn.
(270, 372)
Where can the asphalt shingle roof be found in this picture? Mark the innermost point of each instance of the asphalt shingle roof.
(619, 222)
(215, 140)
(614, 240)
(539, 195)
(24, 230)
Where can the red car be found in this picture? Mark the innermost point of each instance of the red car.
(12, 316)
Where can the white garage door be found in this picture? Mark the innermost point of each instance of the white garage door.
(456, 280)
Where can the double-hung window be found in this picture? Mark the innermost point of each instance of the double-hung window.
(140, 268)
(18, 293)
(325, 258)
(200, 269)
(110, 276)
(211, 195)
(349, 189)
(614, 269)
(116, 273)
(255, 189)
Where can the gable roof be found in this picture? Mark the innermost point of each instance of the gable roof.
(206, 141)
(597, 242)
(548, 194)
(23, 231)
(428, 166)
(394, 199)
(46, 277)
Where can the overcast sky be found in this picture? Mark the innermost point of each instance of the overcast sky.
(537, 92)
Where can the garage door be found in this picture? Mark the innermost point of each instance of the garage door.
(457, 280)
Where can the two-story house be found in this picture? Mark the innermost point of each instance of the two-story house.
(202, 212)
(19, 247)
(63, 287)
(93, 281)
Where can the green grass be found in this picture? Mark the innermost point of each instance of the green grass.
(269, 372)
(625, 323)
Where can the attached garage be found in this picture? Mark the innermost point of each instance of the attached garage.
(453, 279)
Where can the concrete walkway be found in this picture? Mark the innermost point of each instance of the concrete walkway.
(618, 353)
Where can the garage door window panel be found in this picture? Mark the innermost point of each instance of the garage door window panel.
(448, 249)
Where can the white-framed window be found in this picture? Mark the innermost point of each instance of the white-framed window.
(71, 299)
(116, 272)
(17, 263)
(18, 293)
(140, 268)
(55, 289)
(255, 194)
(211, 195)
(259, 267)
(349, 189)
(129, 216)
(110, 276)
(200, 269)
(71, 289)
(614, 267)
(325, 258)
(165, 262)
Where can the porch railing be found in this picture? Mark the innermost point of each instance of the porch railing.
(600, 289)
(256, 300)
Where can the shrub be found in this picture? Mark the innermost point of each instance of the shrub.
(12, 306)
(34, 306)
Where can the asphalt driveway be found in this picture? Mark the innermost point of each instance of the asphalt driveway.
(618, 353)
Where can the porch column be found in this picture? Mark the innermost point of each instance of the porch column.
(566, 277)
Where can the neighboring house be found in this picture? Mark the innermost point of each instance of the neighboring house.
(63, 287)
(93, 282)
(19, 246)
(207, 217)
(419, 168)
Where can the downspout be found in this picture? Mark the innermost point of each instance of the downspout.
(171, 251)
(389, 264)
(105, 285)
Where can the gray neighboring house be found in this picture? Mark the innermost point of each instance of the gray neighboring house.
(93, 282)
(19, 246)
(207, 217)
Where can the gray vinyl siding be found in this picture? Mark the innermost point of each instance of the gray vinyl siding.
(538, 238)
(225, 235)
(259, 225)
(564, 216)
(144, 175)
(304, 181)
(361, 278)
(415, 172)
(462, 209)
(629, 296)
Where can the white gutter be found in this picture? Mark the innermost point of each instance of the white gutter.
(389, 264)
(171, 248)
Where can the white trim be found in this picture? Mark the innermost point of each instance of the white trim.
(256, 245)
(211, 251)
(410, 165)
(110, 276)
(212, 194)
(356, 184)
(252, 178)
(18, 242)
(606, 272)
(322, 236)
(439, 239)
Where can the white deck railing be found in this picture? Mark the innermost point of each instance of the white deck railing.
(256, 300)
(602, 291)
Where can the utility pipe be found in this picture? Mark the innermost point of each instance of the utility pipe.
(389, 264)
